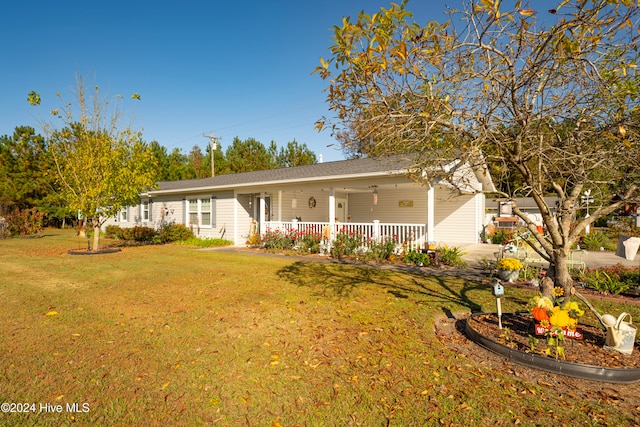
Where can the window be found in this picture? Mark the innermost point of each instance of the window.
(205, 212)
(193, 211)
(145, 211)
(123, 215)
(201, 212)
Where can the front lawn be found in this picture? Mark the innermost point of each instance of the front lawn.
(172, 335)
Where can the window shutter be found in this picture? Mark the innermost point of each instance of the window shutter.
(185, 212)
(213, 212)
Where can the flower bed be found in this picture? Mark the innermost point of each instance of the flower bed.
(586, 358)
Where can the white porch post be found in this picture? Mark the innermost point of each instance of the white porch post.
(236, 231)
(332, 213)
(279, 212)
(431, 208)
(261, 213)
(332, 206)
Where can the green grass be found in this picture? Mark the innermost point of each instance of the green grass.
(205, 243)
(172, 335)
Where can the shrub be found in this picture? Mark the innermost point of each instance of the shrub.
(382, 249)
(113, 232)
(611, 280)
(594, 241)
(254, 240)
(309, 243)
(205, 243)
(417, 258)
(279, 240)
(173, 233)
(345, 244)
(140, 234)
(451, 256)
(501, 237)
(25, 222)
(622, 226)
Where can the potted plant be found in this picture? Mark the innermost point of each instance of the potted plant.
(509, 269)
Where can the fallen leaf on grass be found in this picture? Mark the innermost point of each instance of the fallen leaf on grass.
(51, 313)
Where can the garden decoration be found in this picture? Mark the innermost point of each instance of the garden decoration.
(621, 335)
(552, 316)
(498, 291)
(509, 269)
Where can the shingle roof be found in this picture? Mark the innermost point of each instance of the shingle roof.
(368, 167)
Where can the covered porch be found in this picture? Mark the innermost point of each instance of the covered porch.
(374, 211)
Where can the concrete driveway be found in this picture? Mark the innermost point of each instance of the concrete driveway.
(477, 253)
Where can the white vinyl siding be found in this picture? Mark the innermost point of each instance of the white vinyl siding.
(455, 218)
(414, 211)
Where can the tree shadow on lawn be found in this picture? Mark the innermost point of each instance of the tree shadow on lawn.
(333, 279)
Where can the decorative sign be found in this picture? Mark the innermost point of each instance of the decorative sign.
(576, 334)
(312, 202)
(405, 203)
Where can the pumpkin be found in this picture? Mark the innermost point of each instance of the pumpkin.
(560, 317)
(574, 309)
(543, 302)
(540, 313)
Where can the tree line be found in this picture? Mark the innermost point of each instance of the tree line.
(31, 181)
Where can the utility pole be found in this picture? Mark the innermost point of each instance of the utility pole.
(213, 140)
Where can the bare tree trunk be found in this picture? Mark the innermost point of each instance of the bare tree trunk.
(96, 235)
(559, 273)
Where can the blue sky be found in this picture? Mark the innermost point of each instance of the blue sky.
(235, 68)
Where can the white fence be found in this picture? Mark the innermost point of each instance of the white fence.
(413, 236)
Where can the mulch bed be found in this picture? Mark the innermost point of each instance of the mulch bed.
(518, 329)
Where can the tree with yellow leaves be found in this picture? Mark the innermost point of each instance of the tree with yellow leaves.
(548, 98)
(102, 165)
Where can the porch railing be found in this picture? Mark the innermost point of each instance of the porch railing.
(413, 236)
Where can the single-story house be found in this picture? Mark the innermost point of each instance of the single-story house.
(375, 197)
